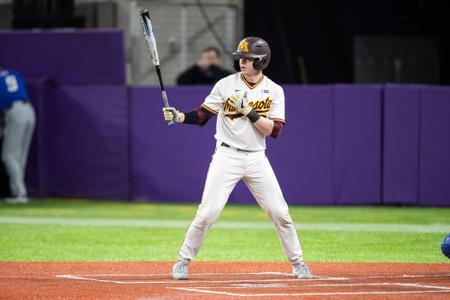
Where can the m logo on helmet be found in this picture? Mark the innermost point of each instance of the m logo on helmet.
(243, 46)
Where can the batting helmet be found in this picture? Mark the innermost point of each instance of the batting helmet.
(254, 47)
(445, 246)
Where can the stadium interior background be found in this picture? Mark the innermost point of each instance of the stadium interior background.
(312, 42)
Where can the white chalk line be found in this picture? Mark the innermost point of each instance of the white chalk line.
(271, 283)
(432, 275)
(88, 277)
(364, 227)
(253, 285)
(430, 289)
(416, 285)
(191, 275)
(427, 286)
(401, 276)
(305, 294)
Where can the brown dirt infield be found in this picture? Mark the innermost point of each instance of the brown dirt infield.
(220, 280)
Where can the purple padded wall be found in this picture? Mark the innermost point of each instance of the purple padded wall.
(105, 141)
(302, 155)
(168, 163)
(66, 56)
(401, 144)
(87, 138)
(357, 143)
(36, 179)
(435, 146)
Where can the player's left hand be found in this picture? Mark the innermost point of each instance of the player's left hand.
(242, 105)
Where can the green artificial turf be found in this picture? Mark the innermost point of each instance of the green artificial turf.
(44, 242)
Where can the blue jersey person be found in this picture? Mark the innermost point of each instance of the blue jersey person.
(19, 122)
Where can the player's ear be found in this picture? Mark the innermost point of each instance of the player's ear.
(236, 65)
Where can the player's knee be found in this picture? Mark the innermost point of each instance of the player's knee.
(205, 220)
(7, 158)
(204, 223)
(280, 216)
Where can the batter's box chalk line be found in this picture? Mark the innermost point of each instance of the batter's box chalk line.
(246, 287)
(105, 278)
(416, 289)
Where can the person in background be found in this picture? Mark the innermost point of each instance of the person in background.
(19, 122)
(207, 70)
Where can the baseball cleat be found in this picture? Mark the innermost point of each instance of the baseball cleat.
(180, 270)
(16, 200)
(301, 270)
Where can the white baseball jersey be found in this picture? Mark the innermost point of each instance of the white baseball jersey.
(266, 97)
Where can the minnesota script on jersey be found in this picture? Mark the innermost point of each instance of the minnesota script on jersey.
(265, 96)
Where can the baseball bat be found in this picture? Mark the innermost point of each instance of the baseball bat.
(144, 16)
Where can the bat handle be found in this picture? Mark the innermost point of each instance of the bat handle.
(165, 99)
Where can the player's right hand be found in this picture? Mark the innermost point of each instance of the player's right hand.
(172, 114)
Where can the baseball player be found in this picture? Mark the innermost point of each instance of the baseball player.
(19, 119)
(249, 106)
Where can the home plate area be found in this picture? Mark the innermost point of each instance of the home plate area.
(222, 280)
(348, 283)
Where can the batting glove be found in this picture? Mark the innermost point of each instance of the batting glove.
(172, 114)
(242, 105)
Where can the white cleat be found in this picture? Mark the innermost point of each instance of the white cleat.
(180, 270)
(16, 200)
(301, 270)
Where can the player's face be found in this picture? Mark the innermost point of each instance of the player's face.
(246, 65)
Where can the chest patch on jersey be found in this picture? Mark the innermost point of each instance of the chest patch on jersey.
(262, 107)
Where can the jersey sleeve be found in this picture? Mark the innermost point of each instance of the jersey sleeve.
(276, 111)
(214, 102)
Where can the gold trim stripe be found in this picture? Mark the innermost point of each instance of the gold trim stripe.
(209, 109)
(249, 85)
(277, 119)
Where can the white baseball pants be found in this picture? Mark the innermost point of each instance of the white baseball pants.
(227, 167)
(19, 121)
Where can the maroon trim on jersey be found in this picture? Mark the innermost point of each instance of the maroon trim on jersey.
(251, 85)
(277, 127)
(209, 109)
(203, 115)
(234, 116)
(198, 116)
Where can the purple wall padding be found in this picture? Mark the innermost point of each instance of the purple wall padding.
(401, 144)
(435, 146)
(302, 155)
(35, 179)
(357, 144)
(87, 138)
(106, 141)
(57, 54)
(168, 163)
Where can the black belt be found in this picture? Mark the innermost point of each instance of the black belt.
(241, 150)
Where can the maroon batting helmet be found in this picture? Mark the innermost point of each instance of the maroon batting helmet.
(254, 47)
